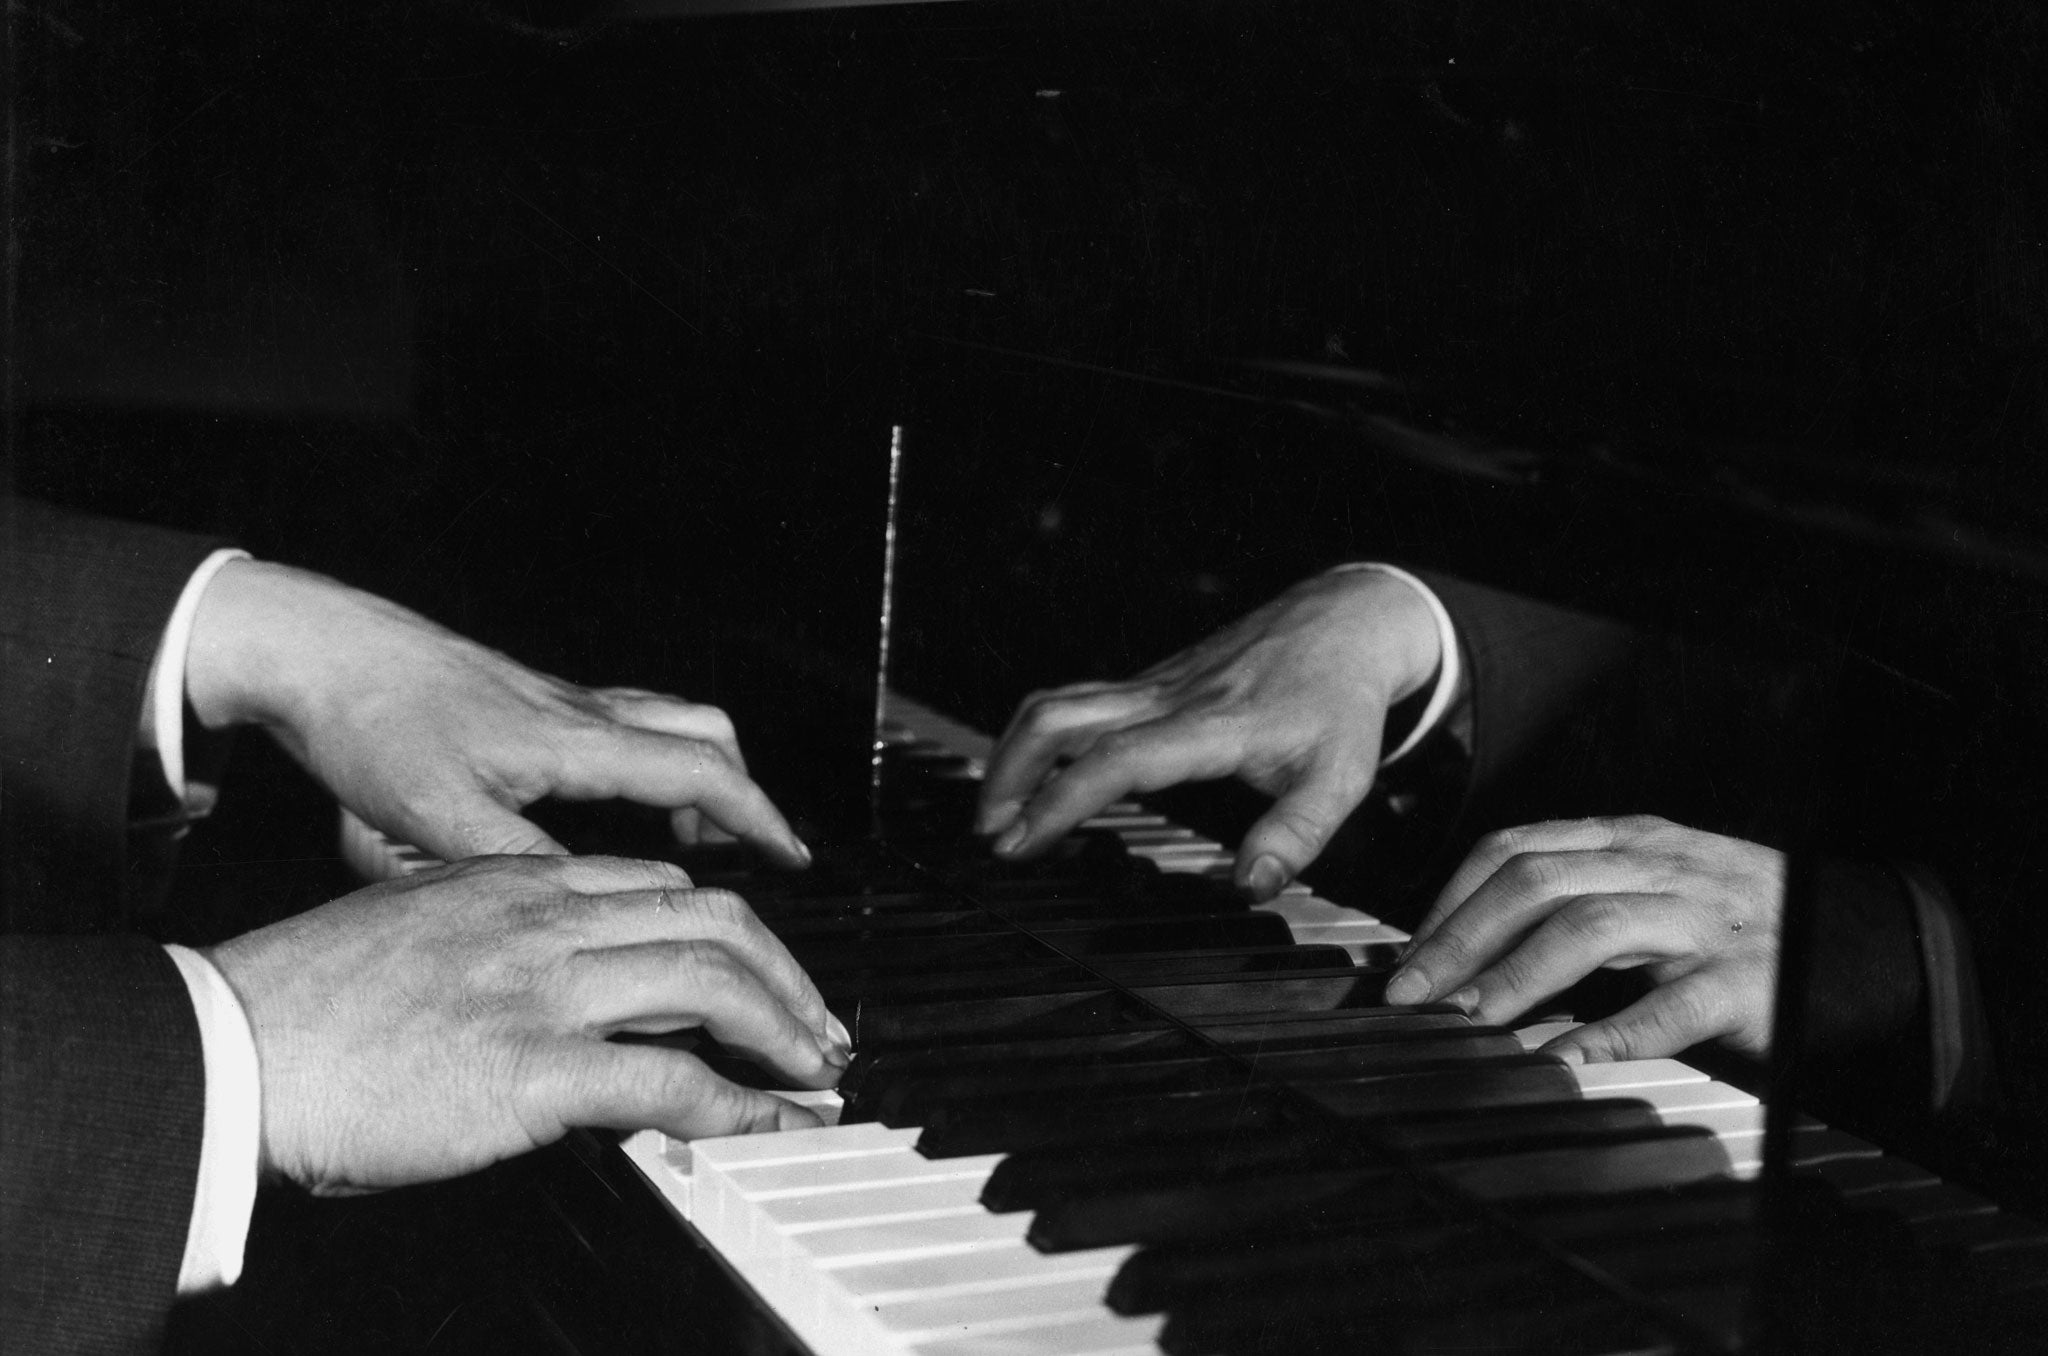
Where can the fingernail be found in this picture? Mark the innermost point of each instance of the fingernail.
(996, 818)
(1266, 879)
(836, 1032)
(1464, 1000)
(1409, 986)
(1012, 839)
(801, 848)
(1570, 1054)
(837, 1055)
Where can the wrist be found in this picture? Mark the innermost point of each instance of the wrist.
(258, 629)
(1407, 648)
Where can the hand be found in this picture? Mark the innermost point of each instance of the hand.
(1534, 910)
(1292, 699)
(424, 1028)
(441, 742)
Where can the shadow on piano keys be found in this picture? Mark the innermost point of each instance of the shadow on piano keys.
(1099, 1105)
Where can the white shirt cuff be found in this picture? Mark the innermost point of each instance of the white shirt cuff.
(1450, 667)
(163, 709)
(232, 1148)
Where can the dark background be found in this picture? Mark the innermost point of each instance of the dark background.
(584, 331)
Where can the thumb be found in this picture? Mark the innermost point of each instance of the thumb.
(1296, 830)
(481, 827)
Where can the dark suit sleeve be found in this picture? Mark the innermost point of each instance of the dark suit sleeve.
(83, 604)
(102, 1096)
(1531, 669)
(1576, 714)
(101, 1111)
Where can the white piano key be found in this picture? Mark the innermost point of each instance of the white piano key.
(997, 1268)
(875, 1205)
(900, 1240)
(1542, 1033)
(768, 1181)
(1103, 1334)
(792, 1146)
(930, 1318)
(1124, 822)
(1627, 1075)
(866, 1248)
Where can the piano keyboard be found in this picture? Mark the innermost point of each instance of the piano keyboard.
(861, 1241)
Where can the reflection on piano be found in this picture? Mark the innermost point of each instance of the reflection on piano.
(1101, 1105)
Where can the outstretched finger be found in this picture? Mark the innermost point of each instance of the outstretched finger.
(675, 770)
(1048, 727)
(1580, 936)
(1137, 759)
(466, 822)
(1527, 889)
(646, 1087)
(1497, 849)
(664, 714)
(1295, 831)
(669, 986)
(1670, 1018)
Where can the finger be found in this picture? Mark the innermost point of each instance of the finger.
(468, 823)
(673, 771)
(645, 1087)
(1141, 758)
(687, 824)
(1581, 936)
(661, 915)
(612, 875)
(1496, 849)
(1527, 888)
(668, 986)
(672, 715)
(1048, 727)
(1298, 827)
(1670, 1018)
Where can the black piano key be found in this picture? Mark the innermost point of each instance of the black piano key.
(1720, 1203)
(1362, 1318)
(827, 952)
(1035, 1179)
(1518, 1127)
(1525, 1082)
(1670, 1156)
(877, 1067)
(1154, 1279)
(1096, 1009)
(955, 1130)
(1246, 1033)
(1593, 1326)
(1306, 1201)
(894, 983)
(1064, 1011)
(1224, 1204)
(1158, 1278)
(949, 1134)
(874, 1073)
(1138, 1073)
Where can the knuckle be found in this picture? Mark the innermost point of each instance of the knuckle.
(1534, 874)
(1598, 921)
(1503, 843)
(722, 910)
